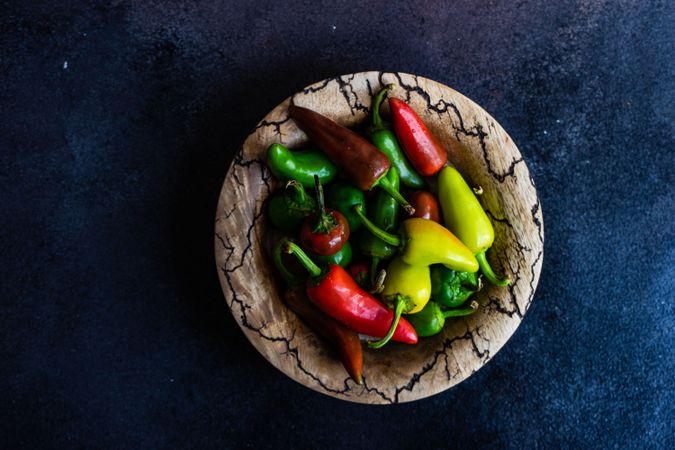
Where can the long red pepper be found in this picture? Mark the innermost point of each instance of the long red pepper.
(336, 293)
(363, 163)
(422, 149)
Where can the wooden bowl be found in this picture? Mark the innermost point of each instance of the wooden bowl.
(486, 156)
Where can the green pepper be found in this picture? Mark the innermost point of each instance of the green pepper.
(406, 290)
(385, 140)
(342, 257)
(383, 213)
(431, 319)
(300, 165)
(288, 208)
(341, 196)
(465, 217)
(451, 288)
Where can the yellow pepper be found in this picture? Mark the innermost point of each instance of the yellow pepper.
(407, 290)
(465, 217)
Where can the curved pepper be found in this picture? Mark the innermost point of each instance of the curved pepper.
(406, 290)
(300, 165)
(287, 208)
(362, 163)
(384, 139)
(463, 214)
(451, 288)
(423, 150)
(424, 242)
(341, 196)
(426, 206)
(325, 232)
(360, 271)
(343, 340)
(431, 319)
(336, 293)
(383, 213)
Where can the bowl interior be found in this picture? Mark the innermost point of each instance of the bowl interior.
(483, 153)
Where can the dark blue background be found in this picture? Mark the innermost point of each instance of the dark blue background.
(113, 329)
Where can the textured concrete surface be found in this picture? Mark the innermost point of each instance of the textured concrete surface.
(118, 121)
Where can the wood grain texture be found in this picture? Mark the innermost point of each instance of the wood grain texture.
(481, 150)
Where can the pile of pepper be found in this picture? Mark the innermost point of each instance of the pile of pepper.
(368, 256)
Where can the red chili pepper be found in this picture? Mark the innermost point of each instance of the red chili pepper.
(426, 206)
(325, 232)
(360, 161)
(336, 293)
(360, 272)
(423, 150)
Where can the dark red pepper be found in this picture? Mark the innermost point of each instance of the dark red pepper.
(361, 162)
(336, 293)
(422, 149)
(426, 206)
(326, 231)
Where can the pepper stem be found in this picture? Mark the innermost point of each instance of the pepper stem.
(377, 101)
(300, 194)
(307, 263)
(473, 307)
(285, 273)
(488, 272)
(378, 232)
(400, 303)
(386, 185)
(326, 222)
(374, 262)
(378, 285)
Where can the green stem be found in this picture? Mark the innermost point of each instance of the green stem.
(378, 232)
(377, 101)
(300, 194)
(487, 270)
(374, 262)
(400, 303)
(285, 273)
(307, 263)
(386, 185)
(473, 307)
(326, 222)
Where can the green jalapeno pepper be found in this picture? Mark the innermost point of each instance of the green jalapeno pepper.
(406, 290)
(465, 217)
(342, 257)
(383, 213)
(300, 165)
(289, 207)
(385, 140)
(342, 196)
(431, 319)
(451, 288)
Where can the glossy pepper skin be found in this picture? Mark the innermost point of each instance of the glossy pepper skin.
(289, 207)
(360, 272)
(384, 139)
(450, 288)
(422, 149)
(341, 196)
(423, 242)
(300, 165)
(383, 212)
(336, 293)
(360, 161)
(326, 231)
(431, 319)
(426, 206)
(464, 216)
(406, 290)
(343, 340)
(342, 257)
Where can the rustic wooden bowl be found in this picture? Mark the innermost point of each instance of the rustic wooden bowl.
(482, 151)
